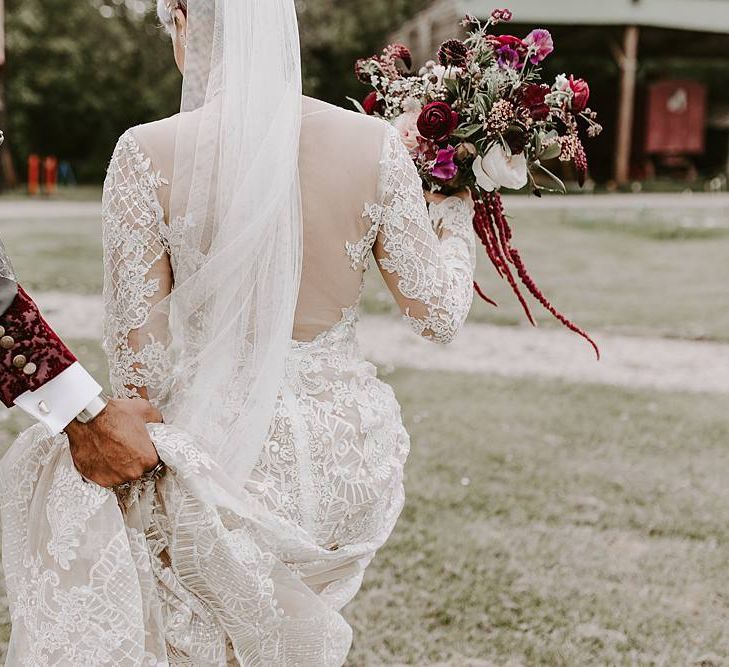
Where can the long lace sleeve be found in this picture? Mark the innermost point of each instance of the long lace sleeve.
(427, 256)
(137, 275)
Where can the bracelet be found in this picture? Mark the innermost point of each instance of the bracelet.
(93, 409)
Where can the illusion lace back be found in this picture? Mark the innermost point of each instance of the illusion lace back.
(165, 575)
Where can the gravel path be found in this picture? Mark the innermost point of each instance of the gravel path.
(490, 350)
(43, 209)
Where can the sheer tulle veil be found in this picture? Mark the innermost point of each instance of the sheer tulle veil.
(235, 215)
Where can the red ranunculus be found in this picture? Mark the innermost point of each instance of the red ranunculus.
(533, 99)
(437, 121)
(581, 94)
(509, 40)
(372, 105)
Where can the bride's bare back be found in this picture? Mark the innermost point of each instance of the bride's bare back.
(349, 171)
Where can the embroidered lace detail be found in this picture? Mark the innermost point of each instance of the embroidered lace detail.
(359, 252)
(135, 260)
(434, 272)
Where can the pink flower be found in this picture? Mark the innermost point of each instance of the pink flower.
(540, 45)
(580, 94)
(445, 168)
(407, 126)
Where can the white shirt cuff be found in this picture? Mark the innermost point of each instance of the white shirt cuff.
(57, 402)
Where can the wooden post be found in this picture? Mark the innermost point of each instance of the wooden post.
(628, 62)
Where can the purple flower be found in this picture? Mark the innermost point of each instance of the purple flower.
(540, 45)
(445, 168)
(508, 57)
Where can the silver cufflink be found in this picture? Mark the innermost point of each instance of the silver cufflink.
(44, 409)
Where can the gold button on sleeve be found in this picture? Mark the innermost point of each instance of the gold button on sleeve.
(20, 361)
(30, 368)
(6, 342)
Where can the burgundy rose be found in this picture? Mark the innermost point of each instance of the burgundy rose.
(437, 121)
(372, 105)
(533, 98)
(581, 94)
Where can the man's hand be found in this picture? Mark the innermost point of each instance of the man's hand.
(115, 447)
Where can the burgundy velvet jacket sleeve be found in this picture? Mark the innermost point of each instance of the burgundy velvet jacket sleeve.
(31, 354)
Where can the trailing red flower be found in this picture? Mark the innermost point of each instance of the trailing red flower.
(495, 233)
(437, 121)
(580, 162)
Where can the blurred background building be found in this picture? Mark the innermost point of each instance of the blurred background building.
(658, 69)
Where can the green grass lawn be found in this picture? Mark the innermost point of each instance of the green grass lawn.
(63, 193)
(593, 529)
(650, 275)
(547, 524)
(657, 278)
(55, 255)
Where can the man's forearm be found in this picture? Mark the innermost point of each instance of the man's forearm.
(38, 372)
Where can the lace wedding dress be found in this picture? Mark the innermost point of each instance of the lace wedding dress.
(166, 575)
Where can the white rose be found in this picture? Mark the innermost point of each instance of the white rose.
(497, 170)
(407, 126)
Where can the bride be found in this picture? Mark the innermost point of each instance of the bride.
(236, 237)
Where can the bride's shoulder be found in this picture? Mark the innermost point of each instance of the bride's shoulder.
(352, 131)
(151, 144)
(156, 139)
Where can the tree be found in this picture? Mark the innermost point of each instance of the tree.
(79, 73)
(77, 78)
(334, 33)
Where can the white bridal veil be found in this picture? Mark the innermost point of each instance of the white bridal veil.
(235, 212)
(194, 571)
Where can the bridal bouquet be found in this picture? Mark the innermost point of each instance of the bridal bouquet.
(482, 118)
